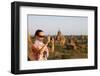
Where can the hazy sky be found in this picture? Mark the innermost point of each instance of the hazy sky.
(68, 25)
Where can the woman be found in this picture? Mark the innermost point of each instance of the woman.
(40, 51)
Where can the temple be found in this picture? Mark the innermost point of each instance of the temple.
(60, 38)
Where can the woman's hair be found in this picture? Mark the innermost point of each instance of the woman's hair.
(37, 32)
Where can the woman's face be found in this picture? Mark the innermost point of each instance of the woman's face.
(41, 36)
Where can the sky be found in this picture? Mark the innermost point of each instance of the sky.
(68, 25)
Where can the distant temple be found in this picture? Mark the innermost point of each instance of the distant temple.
(60, 38)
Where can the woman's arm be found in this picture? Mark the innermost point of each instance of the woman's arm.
(45, 45)
(52, 45)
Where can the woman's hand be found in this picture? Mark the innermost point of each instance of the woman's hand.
(52, 45)
(48, 39)
(52, 41)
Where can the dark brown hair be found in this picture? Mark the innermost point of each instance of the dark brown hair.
(37, 32)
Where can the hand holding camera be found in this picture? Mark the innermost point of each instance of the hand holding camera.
(48, 39)
(52, 40)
